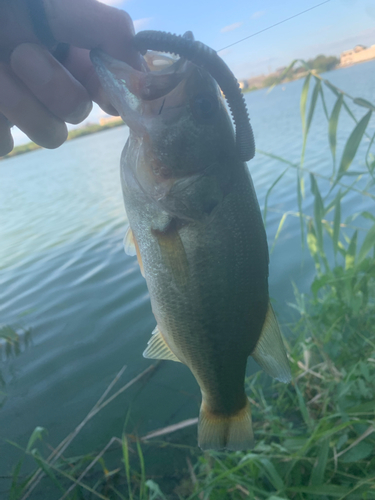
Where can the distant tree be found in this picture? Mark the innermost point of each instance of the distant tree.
(323, 63)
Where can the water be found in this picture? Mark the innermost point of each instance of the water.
(64, 274)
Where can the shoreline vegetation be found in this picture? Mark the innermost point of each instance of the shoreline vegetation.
(91, 128)
(320, 64)
(315, 437)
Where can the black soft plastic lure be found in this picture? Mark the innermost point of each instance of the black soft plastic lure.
(200, 54)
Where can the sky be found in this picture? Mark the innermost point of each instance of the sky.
(328, 29)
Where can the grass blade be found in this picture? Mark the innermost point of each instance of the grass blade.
(281, 223)
(330, 490)
(333, 88)
(283, 75)
(370, 163)
(367, 245)
(15, 489)
(303, 101)
(303, 408)
(303, 104)
(46, 469)
(35, 436)
(337, 92)
(367, 215)
(125, 457)
(317, 474)
(323, 102)
(155, 492)
(352, 145)
(300, 189)
(314, 98)
(350, 254)
(336, 222)
(318, 212)
(364, 103)
(272, 474)
(332, 128)
(142, 491)
(268, 194)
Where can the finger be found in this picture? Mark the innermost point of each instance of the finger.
(90, 24)
(23, 109)
(51, 83)
(78, 63)
(6, 139)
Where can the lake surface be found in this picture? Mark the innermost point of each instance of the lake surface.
(64, 273)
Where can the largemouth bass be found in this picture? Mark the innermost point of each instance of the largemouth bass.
(197, 230)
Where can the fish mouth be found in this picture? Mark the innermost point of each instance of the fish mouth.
(141, 95)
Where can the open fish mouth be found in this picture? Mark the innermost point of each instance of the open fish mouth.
(137, 95)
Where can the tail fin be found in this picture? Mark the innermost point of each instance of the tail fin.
(234, 432)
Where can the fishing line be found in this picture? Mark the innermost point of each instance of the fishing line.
(276, 24)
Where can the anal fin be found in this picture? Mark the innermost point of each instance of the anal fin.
(157, 348)
(270, 352)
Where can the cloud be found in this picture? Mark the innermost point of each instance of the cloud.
(230, 27)
(258, 14)
(112, 2)
(140, 24)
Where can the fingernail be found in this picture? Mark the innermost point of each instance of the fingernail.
(31, 63)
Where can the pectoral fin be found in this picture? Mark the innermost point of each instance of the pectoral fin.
(270, 352)
(129, 244)
(157, 348)
(131, 248)
(173, 254)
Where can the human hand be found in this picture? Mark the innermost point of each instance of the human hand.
(39, 94)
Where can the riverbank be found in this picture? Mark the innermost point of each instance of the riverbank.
(73, 134)
(321, 64)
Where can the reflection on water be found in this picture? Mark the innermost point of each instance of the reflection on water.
(63, 272)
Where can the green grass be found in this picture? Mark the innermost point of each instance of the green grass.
(315, 437)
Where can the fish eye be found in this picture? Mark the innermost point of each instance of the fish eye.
(204, 106)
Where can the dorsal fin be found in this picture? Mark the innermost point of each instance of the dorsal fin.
(270, 352)
(157, 348)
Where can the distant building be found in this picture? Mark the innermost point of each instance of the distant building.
(359, 54)
(243, 84)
